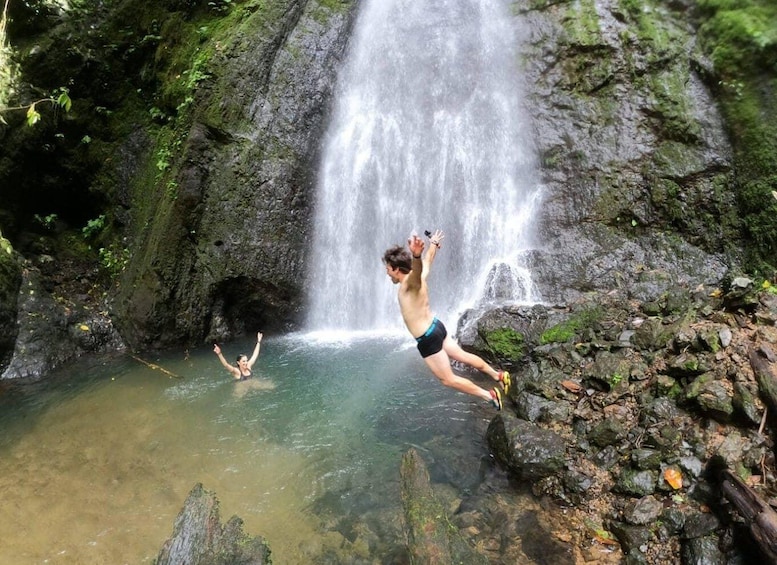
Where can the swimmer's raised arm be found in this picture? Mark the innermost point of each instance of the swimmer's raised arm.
(255, 354)
(231, 368)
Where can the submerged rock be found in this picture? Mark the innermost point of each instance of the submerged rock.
(199, 538)
(431, 536)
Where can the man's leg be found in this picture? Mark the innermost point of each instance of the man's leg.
(440, 365)
(455, 351)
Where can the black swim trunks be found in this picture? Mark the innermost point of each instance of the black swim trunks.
(431, 342)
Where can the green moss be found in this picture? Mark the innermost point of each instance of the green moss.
(673, 105)
(656, 33)
(505, 343)
(581, 23)
(741, 39)
(740, 36)
(326, 8)
(567, 330)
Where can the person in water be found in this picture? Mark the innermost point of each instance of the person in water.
(241, 370)
(409, 268)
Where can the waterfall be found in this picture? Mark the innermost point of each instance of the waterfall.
(428, 131)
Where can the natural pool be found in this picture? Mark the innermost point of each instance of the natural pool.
(97, 460)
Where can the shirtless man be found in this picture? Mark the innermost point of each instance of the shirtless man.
(409, 270)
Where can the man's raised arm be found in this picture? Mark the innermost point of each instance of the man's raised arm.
(434, 240)
(416, 247)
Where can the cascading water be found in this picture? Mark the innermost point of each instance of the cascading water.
(428, 132)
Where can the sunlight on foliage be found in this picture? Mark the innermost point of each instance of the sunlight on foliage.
(5, 245)
(8, 78)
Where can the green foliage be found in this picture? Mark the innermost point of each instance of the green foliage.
(5, 245)
(93, 227)
(163, 159)
(33, 116)
(46, 221)
(114, 259)
(741, 39)
(769, 287)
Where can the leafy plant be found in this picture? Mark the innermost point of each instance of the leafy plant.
(33, 115)
(616, 379)
(93, 227)
(114, 260)
(46, 221)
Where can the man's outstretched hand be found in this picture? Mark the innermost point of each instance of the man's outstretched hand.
(416, 245)
(436, 238)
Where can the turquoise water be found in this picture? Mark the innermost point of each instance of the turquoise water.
(97, 460)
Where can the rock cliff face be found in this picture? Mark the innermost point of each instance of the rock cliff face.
(635, 158)
(225, 253)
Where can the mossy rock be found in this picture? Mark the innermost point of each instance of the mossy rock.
(505, 343)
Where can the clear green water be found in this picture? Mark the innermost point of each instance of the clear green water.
(96, 461)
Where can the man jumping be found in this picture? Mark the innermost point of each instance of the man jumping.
(407, 268)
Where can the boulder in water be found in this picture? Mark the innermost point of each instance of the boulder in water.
(200, 539)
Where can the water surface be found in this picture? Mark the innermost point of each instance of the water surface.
(97, 460)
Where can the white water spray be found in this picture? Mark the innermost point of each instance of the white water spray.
(428, 132)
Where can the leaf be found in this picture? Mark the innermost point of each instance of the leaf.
(571, 386)
(83, 328)
(674, 478)
(717, 293)
(64, 101)
(32, 115)
(605, 540)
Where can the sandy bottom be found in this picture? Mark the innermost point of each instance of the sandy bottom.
(101, 477)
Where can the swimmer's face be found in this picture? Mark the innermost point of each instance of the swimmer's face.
(242, 361)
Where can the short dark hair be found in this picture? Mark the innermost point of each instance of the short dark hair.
(398, 257)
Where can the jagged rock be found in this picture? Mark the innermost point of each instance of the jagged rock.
(637, 483)
(527, 451)
(703, 551)
(10, 280)
(199, 538)
(50, 333)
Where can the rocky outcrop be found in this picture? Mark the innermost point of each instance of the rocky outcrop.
(199, 537)
(617, 409)
(56, 321)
